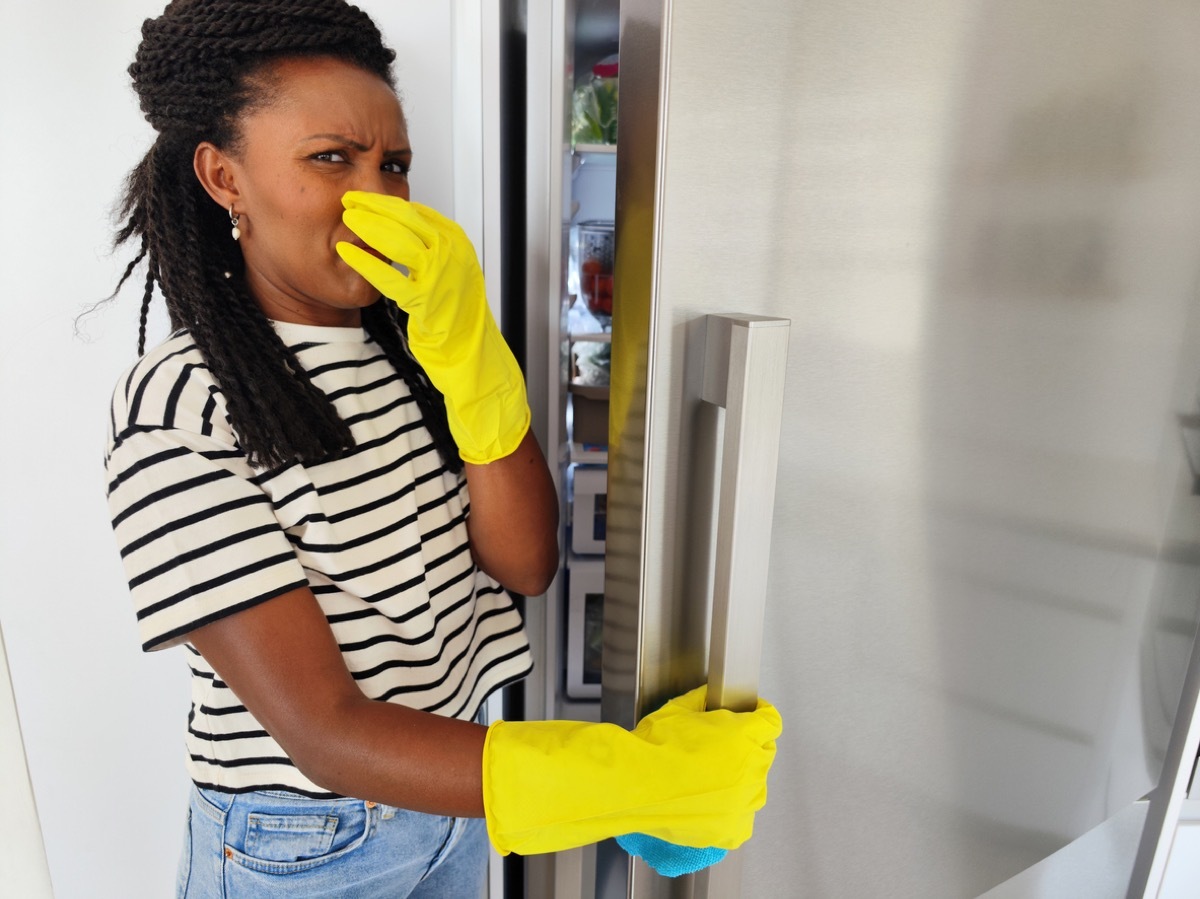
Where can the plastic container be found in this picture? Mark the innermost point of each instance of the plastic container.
(594, 105)
(589, 517)
(591, 362)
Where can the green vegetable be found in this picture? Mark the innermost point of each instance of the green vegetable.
(594, 113)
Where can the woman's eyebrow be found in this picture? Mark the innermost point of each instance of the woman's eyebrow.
(355, 145)
(340, 138)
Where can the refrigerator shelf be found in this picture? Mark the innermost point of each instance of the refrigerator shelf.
(595, 150)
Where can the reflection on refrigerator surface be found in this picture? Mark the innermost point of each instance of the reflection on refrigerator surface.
(1001, 550)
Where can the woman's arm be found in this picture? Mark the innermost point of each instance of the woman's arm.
(281, 660)
(684, 775)
(513, 524)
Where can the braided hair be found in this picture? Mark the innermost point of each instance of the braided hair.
(202, 65)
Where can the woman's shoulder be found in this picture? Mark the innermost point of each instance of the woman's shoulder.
(169, 387)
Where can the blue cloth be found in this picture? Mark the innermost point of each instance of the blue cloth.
(666, 858)
(269, 844)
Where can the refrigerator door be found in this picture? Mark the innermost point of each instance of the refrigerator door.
(980, 218)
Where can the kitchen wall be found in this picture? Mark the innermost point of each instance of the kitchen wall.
(103, 722)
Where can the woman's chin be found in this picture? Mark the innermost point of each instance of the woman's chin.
(360, 295)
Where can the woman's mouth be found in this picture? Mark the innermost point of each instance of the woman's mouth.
(374, 252)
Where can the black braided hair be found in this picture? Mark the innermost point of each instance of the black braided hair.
(198, 69)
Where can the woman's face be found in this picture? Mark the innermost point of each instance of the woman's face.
(331, 127)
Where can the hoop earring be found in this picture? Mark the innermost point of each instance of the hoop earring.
(233, 220)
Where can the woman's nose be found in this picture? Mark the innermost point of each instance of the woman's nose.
(374, 179)
(370, 179)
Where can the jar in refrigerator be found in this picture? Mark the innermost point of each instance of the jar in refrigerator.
(594, 259)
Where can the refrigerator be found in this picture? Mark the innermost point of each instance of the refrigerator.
(946, 252)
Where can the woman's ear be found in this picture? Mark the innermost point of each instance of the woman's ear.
(216, 173)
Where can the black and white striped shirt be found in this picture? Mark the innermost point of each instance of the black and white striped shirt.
(379, 536)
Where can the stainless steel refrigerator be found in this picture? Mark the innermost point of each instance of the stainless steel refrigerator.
(977, 225)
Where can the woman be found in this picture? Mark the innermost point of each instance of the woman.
(324, 485)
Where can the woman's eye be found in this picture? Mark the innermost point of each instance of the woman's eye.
(329, 156)
(396, 168)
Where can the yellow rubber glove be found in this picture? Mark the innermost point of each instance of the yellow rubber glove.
(451, 331)
(684, 775)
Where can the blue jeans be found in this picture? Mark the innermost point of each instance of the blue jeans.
(274, 843)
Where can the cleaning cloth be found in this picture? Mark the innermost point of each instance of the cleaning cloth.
(666, 858)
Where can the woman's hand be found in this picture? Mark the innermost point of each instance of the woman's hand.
(451, 332)
(514, 511)
(684, 775)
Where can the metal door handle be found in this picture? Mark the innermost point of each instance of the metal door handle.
(745, 359)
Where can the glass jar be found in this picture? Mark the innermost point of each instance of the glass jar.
(594, 259)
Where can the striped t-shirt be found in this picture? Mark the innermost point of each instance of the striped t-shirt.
(379, 536)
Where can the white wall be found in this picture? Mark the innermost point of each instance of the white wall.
(103, 723)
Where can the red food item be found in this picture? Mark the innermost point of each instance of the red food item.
(596, 285)
(600, 297)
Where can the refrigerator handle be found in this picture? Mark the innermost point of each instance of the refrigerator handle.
(745, 359)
